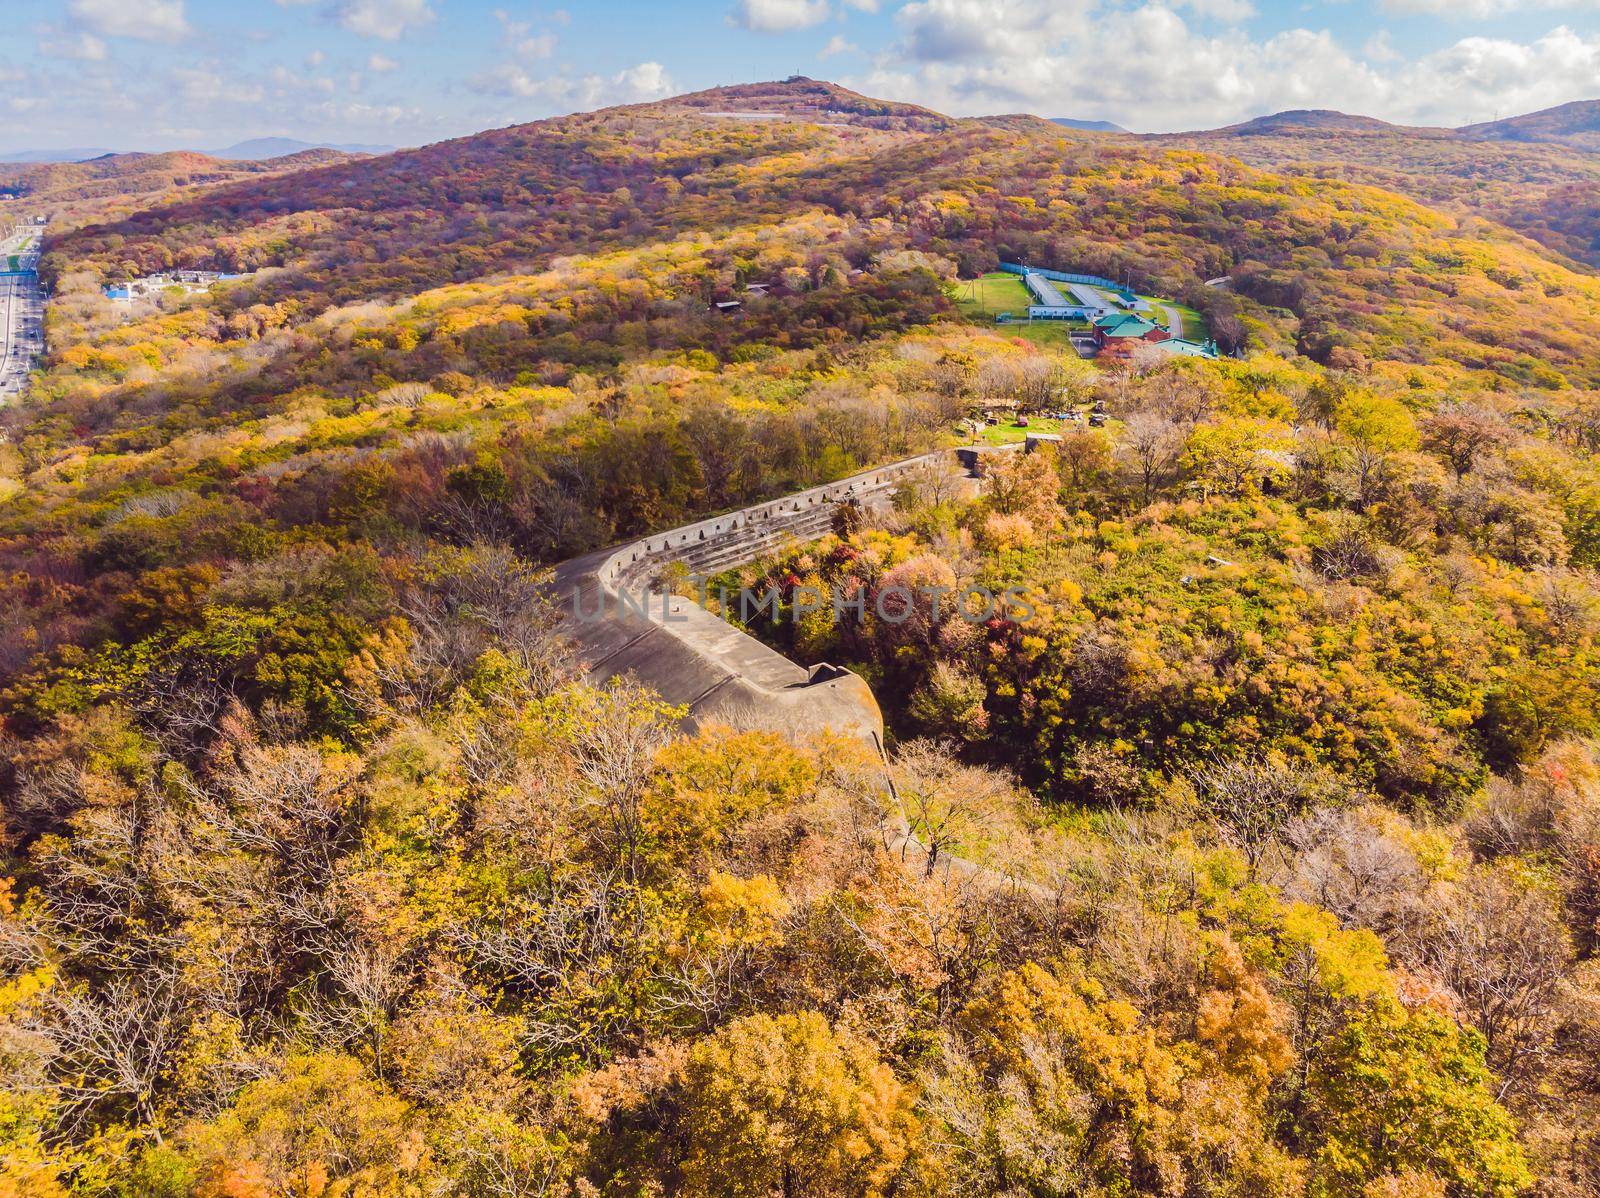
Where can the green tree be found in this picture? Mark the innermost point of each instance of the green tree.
(1397, 1090)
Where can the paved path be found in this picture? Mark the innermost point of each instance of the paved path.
(1174, 320)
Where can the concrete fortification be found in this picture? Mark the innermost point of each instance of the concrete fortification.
(625, 623)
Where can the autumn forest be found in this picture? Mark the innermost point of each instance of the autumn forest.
(327, 870)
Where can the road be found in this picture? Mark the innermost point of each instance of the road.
(21, 309)
(1174, 320)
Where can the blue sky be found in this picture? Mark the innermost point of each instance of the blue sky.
(157, 74)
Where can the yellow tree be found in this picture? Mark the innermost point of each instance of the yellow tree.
(789, 1105)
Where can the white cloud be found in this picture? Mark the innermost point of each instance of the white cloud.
(1380, 49)
(316, 58)
(84, 47)
(1479, 10)
(387, 19)
(838, 45)
(988, 56)
(521, 39)
(1231, 11)
(778, 16)
(204, 87)
(381, 64)
(1479, 78)
(637, 84)
(145, 20)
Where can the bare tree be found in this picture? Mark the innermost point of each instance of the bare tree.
(112, 1044)
(615, 745)
(945, 801)
(1152, 443)
(1252, 802)
(1500, 946)
(1459, 432)
(1348, 866)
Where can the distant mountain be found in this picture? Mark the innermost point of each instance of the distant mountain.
(260, 148)
(798, 98)
(1305, 118)
(1090, 126)
(1576, 125)
(78, 155)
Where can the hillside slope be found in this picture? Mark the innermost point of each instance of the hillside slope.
(115, 183)
(1576, 125)
(1388, 279)
(1541, 188)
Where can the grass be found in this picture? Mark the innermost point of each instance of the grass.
(1042, 332)
(981, 299)
(1194, 325)
(992, 293)
(1006, 432)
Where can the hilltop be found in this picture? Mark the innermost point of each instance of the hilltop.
(1544, 190)
(802, 99)
(1576, 125)
(1304, 118)
(98, 187)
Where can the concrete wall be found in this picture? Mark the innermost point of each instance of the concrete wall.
(625, 626)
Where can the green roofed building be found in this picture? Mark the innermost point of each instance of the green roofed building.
(1125, 326)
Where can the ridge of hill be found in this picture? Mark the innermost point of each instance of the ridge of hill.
(99, 188)
(804, 99)
(1543, 190)
(261, 148)
(1576, 125)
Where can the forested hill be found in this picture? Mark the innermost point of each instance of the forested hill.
(116, 183)
(326, 872)
(1576, 125)
(1535, 174)
(1352, 270)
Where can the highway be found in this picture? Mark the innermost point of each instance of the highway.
(21, 309)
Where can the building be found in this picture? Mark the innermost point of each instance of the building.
(190, 282)
(1125, 326)
(1052, 304)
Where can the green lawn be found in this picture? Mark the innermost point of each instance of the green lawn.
(1042, 332)
(1006, 432)
(1194, 325)
(981, 299)
(997, 292)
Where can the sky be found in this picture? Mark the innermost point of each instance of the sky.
(202, 74)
